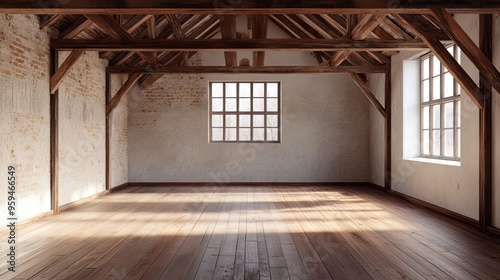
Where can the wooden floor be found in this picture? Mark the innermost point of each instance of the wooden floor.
(251, 233)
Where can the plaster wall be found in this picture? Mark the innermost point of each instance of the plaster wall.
(24, 114)
(119, 135)
(82, 129)
(325, 128)
(452, 187)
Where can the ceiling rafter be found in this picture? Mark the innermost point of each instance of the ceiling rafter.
(259, 31)
(228, 31)
(49, 20)
(339, 23)
(124, 56)
(110, 26)
(363, 28)
(193, 29)
(208, 29)
(173, 21)
(76, 27)
(130, 26)
(159, 39)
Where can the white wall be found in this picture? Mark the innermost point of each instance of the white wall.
(452, 187)
(82, 129)
(24, 114)
(325, 129)
(25, 120)
(119, 136)
(377, 123)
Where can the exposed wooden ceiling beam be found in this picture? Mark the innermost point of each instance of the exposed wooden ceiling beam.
(242, 7)
(339, 23)
(80, 24)
(50, 20)
(228, 31)
(174, 23)
(363, 28)
(239, 44)
(366, 25)
(111, 27)
(115, 101)
(468, 47)
(130, 26)
(417, 23)
(56, 79)
(207, 27)
(246, 69)
(151, 28)
(135, 22)
(361, 83)
(259, 31)
(121, 58)
(174, 60)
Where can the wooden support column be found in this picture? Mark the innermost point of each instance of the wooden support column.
(54, 135)
(485, 127)
(108, 133)
(388, 129)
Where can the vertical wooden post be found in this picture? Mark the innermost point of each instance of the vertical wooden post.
(387, 130)
(54, 135)
(485, 127)
(108, 133)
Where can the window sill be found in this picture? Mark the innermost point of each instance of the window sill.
(436, 161)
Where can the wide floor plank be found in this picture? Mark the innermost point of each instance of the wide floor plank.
(251, 232)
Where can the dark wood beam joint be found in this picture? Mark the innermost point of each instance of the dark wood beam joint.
(115, 101)
(60, 73)
(417, 24)
(468, 47)
(361, 83)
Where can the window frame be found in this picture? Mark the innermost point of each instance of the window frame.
(455, 99)
(251, 112)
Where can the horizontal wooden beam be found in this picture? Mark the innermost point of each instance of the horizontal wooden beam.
(242, 7)
(246, 69)
(240, 44)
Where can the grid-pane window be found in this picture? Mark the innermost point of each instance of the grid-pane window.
(245, 112)
(440, 108)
